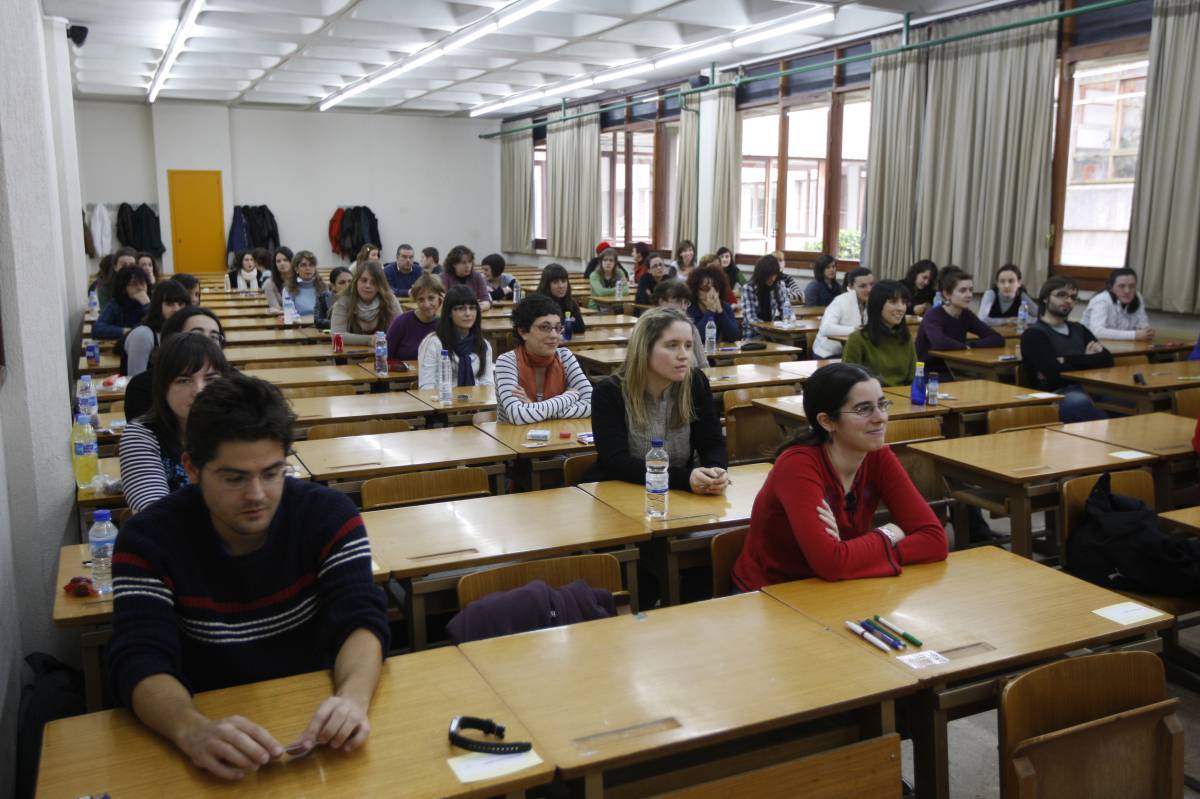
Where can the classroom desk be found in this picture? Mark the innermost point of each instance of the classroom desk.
(1162, 379)
(468, 400)
(317, 375)
(605, 360)
(243, 355)
(751, 375)
(496, 327)
(291, 335)
(417, 542)
(972, 399)
(543, 455)
(111, 467)
(1003, 363)
(601, 360)
(110, 363)
(359, 407)
(253, 312)
(801, 333)
(598, 338)
(610, 694)
(1022, 464)
(1185, 519)
(991, 613)
(726, 353)
(1163, 434)
(804, 369)
(407, 750)
(260, 323)
(789, 410)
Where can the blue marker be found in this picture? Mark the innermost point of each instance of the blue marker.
(880, 633)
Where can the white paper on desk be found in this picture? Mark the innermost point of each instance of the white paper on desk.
(1127, 612)
(478, 766)
(1128, 454)
(921, 660)
(1040, 395)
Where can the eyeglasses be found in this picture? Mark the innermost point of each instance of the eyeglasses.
(545, 328)
(865, 409)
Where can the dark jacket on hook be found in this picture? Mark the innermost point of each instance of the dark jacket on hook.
(125, 225)
(146, 232)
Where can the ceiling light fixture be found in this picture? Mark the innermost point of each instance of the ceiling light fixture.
(475, 35)
(775, 30)
(182, 31)
(691, 55)
(636, 69)
(524, 11)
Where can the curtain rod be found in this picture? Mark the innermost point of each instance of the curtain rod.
(903, 48)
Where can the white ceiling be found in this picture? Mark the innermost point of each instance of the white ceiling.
(294, 53)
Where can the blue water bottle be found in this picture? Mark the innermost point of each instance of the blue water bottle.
(917, 393)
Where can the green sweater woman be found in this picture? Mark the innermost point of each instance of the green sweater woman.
(884, 344)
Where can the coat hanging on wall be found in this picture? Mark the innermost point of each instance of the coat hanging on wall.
(354, 226)
(252, 226)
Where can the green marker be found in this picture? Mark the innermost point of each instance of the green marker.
(912, 639)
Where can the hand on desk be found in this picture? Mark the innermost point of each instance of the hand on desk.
(229, 747)
(709, 480)
(340, 722)
(1093, 347)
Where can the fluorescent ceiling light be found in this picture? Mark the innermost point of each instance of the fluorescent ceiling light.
(421, 60)
(782, 30)
(636, 69)
(478, 33)
(186, 23)
(484, 109)
(524, 11)
(346, 94)
(691, 55)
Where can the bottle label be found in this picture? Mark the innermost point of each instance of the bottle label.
(85, 448)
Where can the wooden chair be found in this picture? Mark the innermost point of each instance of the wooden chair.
(751, 433)
(597, 570)
(576, 466)
(725, 548)
(365, 428)
(1187, 403)
(909, 431)
(764, 359)
(1097, 726)
(1001, 419)
(483, 416)
(318, 391)
(439, 485)
(867, 768)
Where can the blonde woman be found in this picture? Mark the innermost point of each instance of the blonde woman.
(367, 252)
(658, 394)
(367, 307)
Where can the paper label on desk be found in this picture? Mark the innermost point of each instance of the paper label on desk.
(1127, 612)
(923, 660)
(478, 766)
(1039, 395)
(1128, 454)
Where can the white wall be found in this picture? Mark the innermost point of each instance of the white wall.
(116, 152)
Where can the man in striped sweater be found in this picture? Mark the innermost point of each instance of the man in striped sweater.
(247, 574)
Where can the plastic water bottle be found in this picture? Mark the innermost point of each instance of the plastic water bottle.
(290, 316)
(931, 388)
(1022, 317)
(710, 338)
(445, 378)
(516, 292)
(93, 302)
(102, 537)
(657, 480)
(86, 401)
(381, 352)
(85, 456)
(568, 327)
(917, 393)
(789, 315)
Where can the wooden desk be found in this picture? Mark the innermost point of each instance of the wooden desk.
(726, 353)
(91, 498)
(420, 540)
(1021, 464)
(605, 337)
(1186, 519)
(1162, 379)
(601, 360)
(544, 455)
(605, 360)
(998, 364)
(299, 376)
(972, 399)
(359, 407)
(751, 375)
(252, 323)
(417, 697)
(291, 335)
(109, 364)
(991, 613)
(241, 356)
(494, 327)
(789, 410)
(468, 400)
(804, 369)
(251, 312)
(609, 694)
(801, 333)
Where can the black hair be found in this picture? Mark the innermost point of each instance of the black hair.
(1052, 284)
(876, 328)
(642, 249)
(495, 262)
(923, 265)
(950, 277)
(1120, 272)
(671, 289)
(336, 271)
(241, 256)
(189, 282)
(685, 244)
(853, 275)
(179, 356)
(1016, 270)
(408, 247)
(175, 323)
(166, 291)
(430, 252)
(824, 392)
(237, 408)
(275, 276)
(551, 273)
(446, 332)
(263, 257)
(123, 279)
(458, 253)
(529, 310)
(763, 269)
(820, 265)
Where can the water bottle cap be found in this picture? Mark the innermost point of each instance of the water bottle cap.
(656, 442)
(446, 353)
(86, 378)
(83, 418)
(102, 516)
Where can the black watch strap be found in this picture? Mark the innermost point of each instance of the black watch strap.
(487, 727)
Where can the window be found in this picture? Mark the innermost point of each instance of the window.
(1106, 131)
(808, 138)
(641, 156)
(541, 192)
(627, 160)
(667, 172)
(852, 192)
(760, 161)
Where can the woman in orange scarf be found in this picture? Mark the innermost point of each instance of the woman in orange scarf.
(538, 380)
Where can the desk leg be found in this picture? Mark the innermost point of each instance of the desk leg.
(414, 616)
(672, 576)
(1020, 514)
(93, 687)
(593, 785)
(931, 758)
(952, 424)
(1162, 486)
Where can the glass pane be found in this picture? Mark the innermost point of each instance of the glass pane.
(606, 181)
(808, 138)
(642, 222)
(760, 155)
(1106, 132)
(856, 130)
(540, 192)
(671, 137)
(618, 233)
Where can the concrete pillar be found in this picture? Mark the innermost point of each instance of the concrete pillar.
(708, 149)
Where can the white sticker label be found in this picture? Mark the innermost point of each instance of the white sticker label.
(923, 660)
(476, 766)
(1128, 454)
(1128, 612)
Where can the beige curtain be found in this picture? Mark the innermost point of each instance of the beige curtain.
(727, 170)
(1164, 237)
(893, 156)
(985, 174)
(516, 190)
(687, 168)
(573, 171)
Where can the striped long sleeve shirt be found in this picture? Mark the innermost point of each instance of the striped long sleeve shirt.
(513, 410)
(146, 474)
(184, 606)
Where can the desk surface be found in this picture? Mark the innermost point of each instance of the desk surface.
(1159, 376)
(751, 375)
(979, 395)
(1185, 518)
(803, 370)
(317, 375)
(421, 539)
(605, 337)
(1159, 433)
(417, 697)
(516, 437)
(357, 407)
(611, 692)
(296, 335)
(291, 352)
(902, 408)
(111, 467)
(355, 457)
(467, 399)
(967, 609)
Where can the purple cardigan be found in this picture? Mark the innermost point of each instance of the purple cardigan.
(476, 282)
(405, 334)
(941, 331)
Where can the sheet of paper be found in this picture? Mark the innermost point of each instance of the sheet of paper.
(478, 766)
(1128, 454)
(1040, 395)
(922, 660)
(1127, 612)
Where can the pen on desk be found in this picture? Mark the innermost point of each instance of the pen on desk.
(866, 636)
(895, 628)
(882, 634)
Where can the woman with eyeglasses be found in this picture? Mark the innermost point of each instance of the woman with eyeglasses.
(152, 444)
(460, 333)
(539, 380)
(814, 516)
(192, 319)
(656, 272)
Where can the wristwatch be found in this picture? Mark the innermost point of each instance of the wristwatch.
(487, 727)
(890, 535)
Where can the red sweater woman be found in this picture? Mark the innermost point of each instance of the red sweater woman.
(813, 516)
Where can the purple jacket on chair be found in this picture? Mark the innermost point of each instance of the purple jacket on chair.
(533, 606)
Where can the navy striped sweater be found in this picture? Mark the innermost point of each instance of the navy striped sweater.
(184, 606)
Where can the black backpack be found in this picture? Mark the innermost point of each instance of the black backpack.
(1119, 545)
(55, 693)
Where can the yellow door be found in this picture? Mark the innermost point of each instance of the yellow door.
(197, 220)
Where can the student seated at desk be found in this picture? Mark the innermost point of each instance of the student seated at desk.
(402, 273)
(946, 326)
(367, 308)
(152, 444)
(460, 271)
(460, 333)
(824, 287)
(709, 290)
(246, 276)
(103, 285)
(1003, 301)
(340, 278)
(735, 277)
(429, 261)
(245, 575)
(190, 283)
(847, 313)
(763, 298)
(1054, 345)
(500, 285)
(304, 285)
(556, 284)
(814, 516)
(281, 270)
(658, 393)
(604, 279)
(135, 349)
(674, 293)
(149, 264)
(539, 380)
(656, 272)
(884, 344)
(410, 328)
(1119, 311)
(127, 308)
(192, 319)
(685, 259)
(640, 252)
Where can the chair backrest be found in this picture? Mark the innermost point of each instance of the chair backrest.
(1095, 726)
(597, 570)
(318, 391)
(904, 430)
(1075, 492)
(483, 416)
(1001, 419)
(1187, 403)
(725, 548)
(417, 487)
(867, 768)
(764, 359)
(923, 473)
(1130, 360)
(751, 432)
(576, 466)
(364, 428)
